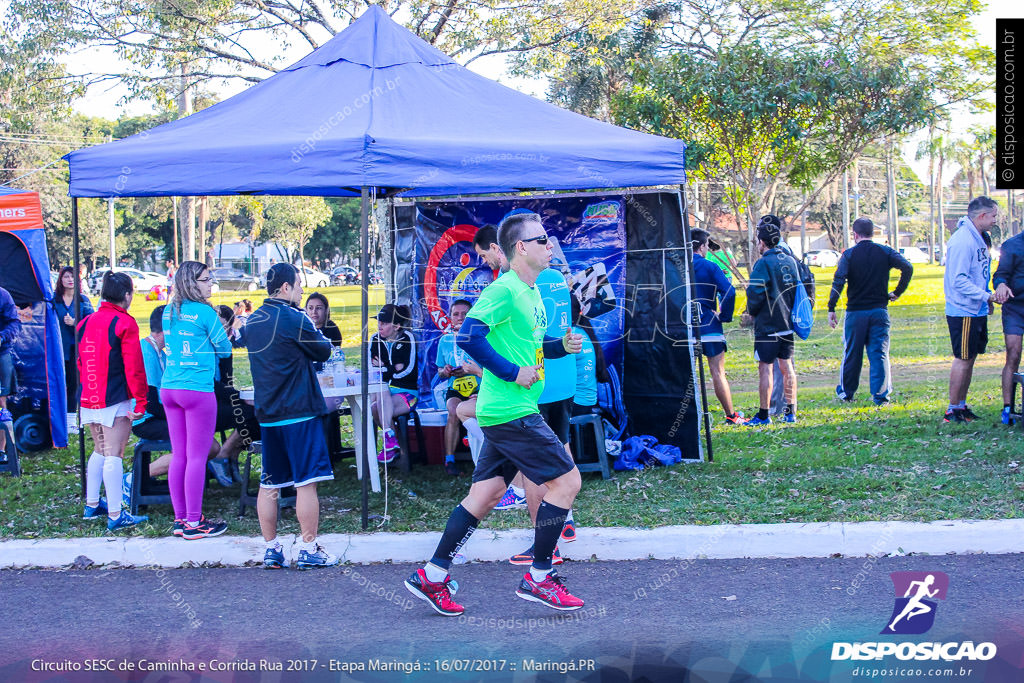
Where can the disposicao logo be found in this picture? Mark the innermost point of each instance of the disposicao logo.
(916, 595)
(913, 613)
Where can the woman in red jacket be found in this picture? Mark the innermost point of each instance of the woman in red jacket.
(113, 385)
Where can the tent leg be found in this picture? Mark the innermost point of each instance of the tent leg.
(364, 308)
(75, 245)
(693, 324)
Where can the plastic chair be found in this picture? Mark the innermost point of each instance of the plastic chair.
(578, 426)
(145, 489)
(402, 434)
(1017, 409)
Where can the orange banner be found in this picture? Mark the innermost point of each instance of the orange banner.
(20, 212)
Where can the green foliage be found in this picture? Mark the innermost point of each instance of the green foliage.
(339, 236)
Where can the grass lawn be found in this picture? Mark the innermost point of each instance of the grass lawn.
(839, 463)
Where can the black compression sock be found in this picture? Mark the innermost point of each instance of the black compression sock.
(762, 414)
(550, 520)
(460, 527)
(790, 409)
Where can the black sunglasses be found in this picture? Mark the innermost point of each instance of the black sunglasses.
(539, 239)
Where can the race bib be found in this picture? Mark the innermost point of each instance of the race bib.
(465, 385)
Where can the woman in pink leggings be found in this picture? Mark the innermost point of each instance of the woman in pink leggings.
(195, 340)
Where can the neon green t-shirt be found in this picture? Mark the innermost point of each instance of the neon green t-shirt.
(515, 313)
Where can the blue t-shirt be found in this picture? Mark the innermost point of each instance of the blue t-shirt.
(154, 362)
(586, 372)
(448, 353)
(194, 341)
(559, 373)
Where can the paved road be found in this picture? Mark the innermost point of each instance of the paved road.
(706, 620)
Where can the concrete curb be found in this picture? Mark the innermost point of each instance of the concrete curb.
(851, 539)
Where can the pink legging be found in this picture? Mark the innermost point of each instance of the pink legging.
(191, 421)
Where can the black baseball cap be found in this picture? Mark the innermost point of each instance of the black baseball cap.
(280, 274)
(393, 313)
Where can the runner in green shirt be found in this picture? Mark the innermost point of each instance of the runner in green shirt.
(505, 333)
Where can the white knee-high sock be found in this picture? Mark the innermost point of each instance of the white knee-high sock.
(112, 481)
(473, 427)
(93, 478)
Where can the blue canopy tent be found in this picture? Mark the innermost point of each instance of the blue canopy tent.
(40, 405)
(376, 111)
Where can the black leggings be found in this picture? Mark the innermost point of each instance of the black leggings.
(70, 370)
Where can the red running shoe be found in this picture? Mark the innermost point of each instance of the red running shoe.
(526, 557)
(551, 592)
(437, 594)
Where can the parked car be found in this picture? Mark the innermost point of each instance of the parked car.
(312, 278)
(914, 254)
(344, 275)
(232, 278)
(822, 258)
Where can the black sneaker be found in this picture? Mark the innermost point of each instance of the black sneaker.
(178, 528)
(954, 415)
(968, 414)
(204, 529)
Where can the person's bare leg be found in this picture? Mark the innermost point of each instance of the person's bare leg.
(467, 409)
(266, 511)
(483, 496)
(233, 445)
(1013, 349)
(307, 511)
(534, 495)
(960, 380)
(722, 390)
(451, 428)
(764, 384)
(3, 432)
(161, 465)
(788, 379)
(563, 490)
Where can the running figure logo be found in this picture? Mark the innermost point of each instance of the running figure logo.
(914, 611)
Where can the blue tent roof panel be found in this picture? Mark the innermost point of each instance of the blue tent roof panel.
(376, 107)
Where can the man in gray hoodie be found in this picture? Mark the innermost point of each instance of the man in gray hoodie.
(968, 301)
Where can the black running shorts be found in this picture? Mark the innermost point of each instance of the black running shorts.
(527, 445)
(769, 349)
(968, 335)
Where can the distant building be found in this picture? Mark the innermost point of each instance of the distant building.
(254, 259)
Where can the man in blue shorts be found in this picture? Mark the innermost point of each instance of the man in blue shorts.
(283, 345)
(505, 334)
(1009, 285)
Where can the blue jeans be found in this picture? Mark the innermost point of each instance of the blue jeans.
(866, 330)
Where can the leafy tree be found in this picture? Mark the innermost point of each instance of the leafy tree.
(762, 117)
(210, 40)
(292, 220)
(339, 236)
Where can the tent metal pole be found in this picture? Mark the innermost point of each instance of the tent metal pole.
(364, 308)
(693, 324)
(77, 309)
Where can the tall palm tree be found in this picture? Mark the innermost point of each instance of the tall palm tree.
(984, 144)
